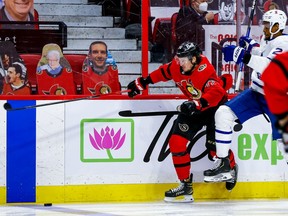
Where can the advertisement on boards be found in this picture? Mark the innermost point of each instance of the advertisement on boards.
(97, 146)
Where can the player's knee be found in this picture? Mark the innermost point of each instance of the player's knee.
(224, 117)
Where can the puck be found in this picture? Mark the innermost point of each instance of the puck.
(47, 204)
(7, 106)
(238, 127)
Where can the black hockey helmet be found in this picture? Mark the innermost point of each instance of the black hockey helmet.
(188, 49)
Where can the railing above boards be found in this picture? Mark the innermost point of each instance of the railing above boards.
(30, 37)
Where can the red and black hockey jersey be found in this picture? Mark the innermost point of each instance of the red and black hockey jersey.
(275, 78)
(201, 83)
(60, 84)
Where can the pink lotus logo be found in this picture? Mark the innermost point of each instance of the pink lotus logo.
(107, 139)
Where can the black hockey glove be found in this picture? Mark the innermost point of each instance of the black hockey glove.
(189, 107)
(138, 85)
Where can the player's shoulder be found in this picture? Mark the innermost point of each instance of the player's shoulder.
(280, 42)
(282, 39)
(205, 60)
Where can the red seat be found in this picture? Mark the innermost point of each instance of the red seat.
(161, 37)
(183, 3)
(31, 62)
(133, 11)
(76, 62)
(161, 30)
(173, 32)
(164, 31)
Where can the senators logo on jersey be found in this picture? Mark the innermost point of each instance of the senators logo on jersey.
(189, 88)
(55, 89)
(100, 88)
(202, 67)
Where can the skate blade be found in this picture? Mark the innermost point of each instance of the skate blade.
(180, 199)
(223, 177)
(230, 184)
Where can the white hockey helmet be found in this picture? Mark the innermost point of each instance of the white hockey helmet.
(275, 16)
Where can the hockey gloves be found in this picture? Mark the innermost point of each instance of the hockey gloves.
(248, 43)
(189, 107)
(233, 53)
(240, 53)
(138, 85)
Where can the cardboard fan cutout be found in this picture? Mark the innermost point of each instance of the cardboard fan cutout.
(13, 72)
(54, 73)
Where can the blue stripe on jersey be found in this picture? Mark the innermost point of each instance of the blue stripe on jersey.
(257, 84)
(223, 132)
(223, 141)
(21, 153)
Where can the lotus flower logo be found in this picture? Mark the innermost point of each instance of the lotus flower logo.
(107, 139)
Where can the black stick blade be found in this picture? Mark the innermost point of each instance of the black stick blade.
(125, 113)
(7, 106)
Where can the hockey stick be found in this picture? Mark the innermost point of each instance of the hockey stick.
(8, 106)
(240, 73)
(129, 113)
(4, 71)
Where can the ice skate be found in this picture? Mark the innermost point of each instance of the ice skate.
(220, 172)
(230, 184)
(182, 193)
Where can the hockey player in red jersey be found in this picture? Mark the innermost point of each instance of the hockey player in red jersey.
(99, 75)
(196, 78)
(275, 78)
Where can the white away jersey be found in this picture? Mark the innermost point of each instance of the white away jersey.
(259, 62)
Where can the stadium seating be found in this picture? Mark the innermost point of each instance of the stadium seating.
(164, 31)
(76, 62)
(174, 42)
(31, 62)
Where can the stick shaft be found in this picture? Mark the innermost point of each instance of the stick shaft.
(4, 71)
(64, 101)
(240, 73)
(129, 113)
(52, 103)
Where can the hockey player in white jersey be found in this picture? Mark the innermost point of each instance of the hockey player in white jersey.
(250, 102)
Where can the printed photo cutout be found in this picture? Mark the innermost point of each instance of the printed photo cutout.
(13, 72)
(54, 73)
(11, 10)
(99, 71)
